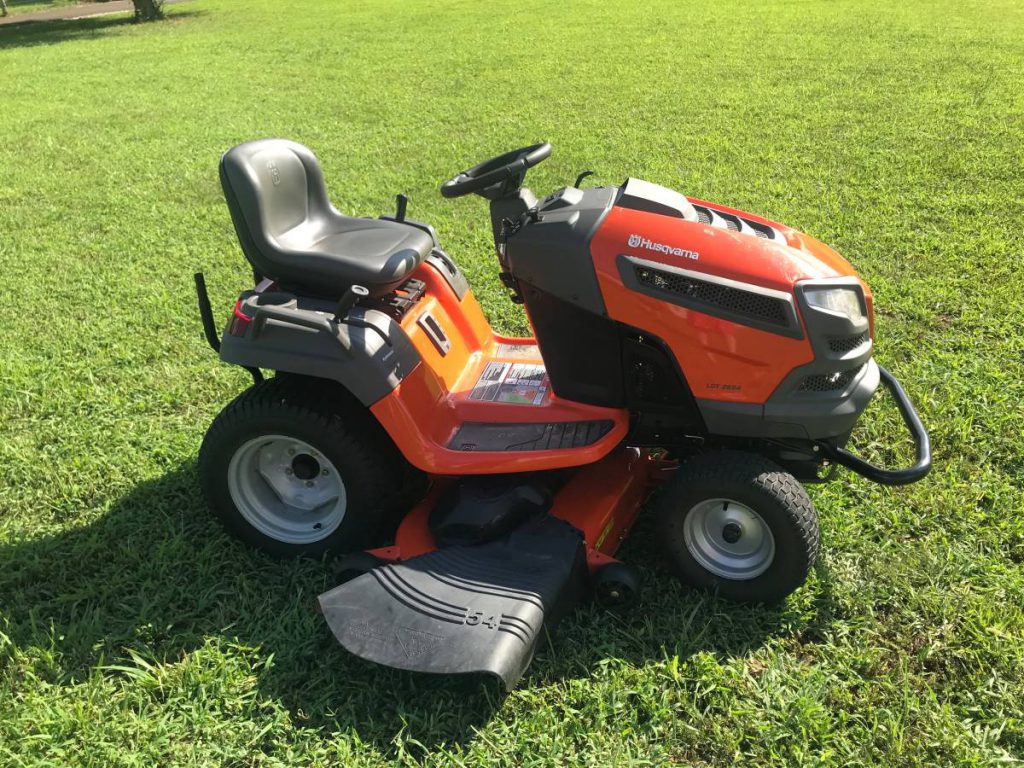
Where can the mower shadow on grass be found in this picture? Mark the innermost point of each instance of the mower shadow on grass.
(156, 575)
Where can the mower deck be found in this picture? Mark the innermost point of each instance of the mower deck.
(600, 500)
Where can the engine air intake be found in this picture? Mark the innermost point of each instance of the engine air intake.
(829, 382)
(733, 223)
(844, 344)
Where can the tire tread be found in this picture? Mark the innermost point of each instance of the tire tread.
(341, 420)
(737, 469)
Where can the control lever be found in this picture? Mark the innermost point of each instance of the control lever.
(401, 201)
(581, 177)
(349, 299)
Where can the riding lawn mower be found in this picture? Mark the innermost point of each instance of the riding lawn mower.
(476, 486)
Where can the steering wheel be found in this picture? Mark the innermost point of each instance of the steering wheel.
(504, 168)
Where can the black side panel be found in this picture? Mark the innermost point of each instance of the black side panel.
(665, 411)
(580, 349)
(552, 250)
(464, 609)
(368, 353)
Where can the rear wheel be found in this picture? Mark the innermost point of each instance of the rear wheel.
(295, 467)
(738, 524)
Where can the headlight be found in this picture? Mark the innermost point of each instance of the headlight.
(845, 301)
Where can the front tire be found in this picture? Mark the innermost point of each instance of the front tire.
(740, 525)
(296, 467)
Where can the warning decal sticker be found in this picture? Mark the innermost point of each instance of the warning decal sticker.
(504, 382)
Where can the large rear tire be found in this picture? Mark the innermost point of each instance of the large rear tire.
(295, 466)
(740, 525)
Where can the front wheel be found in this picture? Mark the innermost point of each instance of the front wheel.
(738, 524)
(293, 467)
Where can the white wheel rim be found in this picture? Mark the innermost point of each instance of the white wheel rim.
(286, 489)
(729, 539)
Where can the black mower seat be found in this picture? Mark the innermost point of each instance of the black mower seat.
(289, 231)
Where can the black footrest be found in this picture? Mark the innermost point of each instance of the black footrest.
(557, 435)
(465, 609)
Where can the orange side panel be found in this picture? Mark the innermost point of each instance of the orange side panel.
(427, 408)
(463, 322)
(603, 500)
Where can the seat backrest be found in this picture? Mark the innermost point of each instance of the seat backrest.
(271, 186)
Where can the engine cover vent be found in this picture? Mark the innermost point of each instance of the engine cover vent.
(740, 302)
(754, 305)
(733, 223)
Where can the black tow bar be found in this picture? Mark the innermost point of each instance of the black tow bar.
(922, 444)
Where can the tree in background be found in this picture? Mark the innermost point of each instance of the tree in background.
(3, 8)
(147, 10)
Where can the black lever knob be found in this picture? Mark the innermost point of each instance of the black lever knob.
(348, 300)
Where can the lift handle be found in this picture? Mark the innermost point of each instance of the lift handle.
(301, 318)
(348, 300)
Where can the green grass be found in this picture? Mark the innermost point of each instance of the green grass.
(26, 6)
(134, 632)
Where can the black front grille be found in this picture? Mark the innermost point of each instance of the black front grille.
(703, 214)
(829, 382)
(844, 344)
(765, 309)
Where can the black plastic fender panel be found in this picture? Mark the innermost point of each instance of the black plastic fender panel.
(368, 353)
(463, 609)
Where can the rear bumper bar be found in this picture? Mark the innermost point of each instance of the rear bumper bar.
(922, 444)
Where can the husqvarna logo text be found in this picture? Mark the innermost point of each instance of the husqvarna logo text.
(635, 241)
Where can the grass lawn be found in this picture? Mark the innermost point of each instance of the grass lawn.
(25, 6)
(133, 631)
